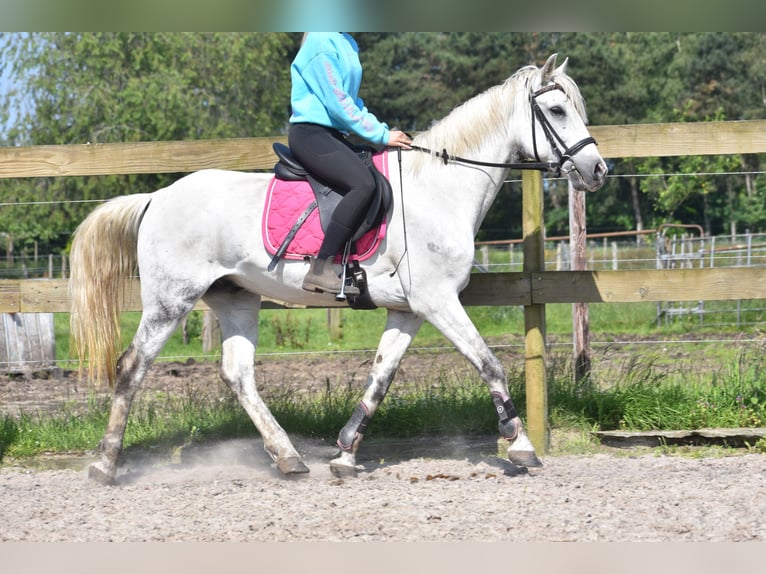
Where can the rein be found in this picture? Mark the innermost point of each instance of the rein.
(446, 158)
(404, 223)
(555, 141)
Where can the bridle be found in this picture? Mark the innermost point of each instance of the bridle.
(554, 139)
(556, 142)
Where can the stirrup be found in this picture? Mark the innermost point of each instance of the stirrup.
(341, 296)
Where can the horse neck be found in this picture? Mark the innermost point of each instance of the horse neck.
(471, 189)
(489, 128)
(464, 190)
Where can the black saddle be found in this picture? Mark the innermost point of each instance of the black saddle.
(326, 199)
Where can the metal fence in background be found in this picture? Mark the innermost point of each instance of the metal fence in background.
(668, 247)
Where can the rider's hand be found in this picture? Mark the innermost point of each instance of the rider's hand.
(398, 138)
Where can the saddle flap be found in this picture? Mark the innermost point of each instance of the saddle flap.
(381, 202)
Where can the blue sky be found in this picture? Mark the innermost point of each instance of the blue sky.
(5, 84)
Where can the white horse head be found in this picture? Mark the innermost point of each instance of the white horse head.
(535, 118)
(557, 118)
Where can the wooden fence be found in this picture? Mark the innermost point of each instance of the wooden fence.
(532, 288)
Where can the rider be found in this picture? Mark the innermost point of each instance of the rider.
(326, 74)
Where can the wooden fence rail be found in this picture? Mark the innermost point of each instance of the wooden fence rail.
(488, 289)
(644, 140)
(532, 288)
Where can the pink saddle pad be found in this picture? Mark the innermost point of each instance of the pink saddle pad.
(285, 203)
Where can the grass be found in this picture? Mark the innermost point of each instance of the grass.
(305, 330)
(652, 390)
(646, 396)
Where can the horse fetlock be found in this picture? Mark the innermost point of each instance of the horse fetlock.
(508, 429)
(105, 469)
(110, 450)
(351, 435)
(508, 419)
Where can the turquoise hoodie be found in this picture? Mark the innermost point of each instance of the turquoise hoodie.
(326, 75)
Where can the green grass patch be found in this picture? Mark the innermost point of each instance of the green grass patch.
(649, 395)
(645, 396)
(650, 390)
(306, 330)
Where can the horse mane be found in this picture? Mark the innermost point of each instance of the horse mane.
(485, 117)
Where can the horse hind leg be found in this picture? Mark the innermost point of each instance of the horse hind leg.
(104, 470)
(400, 329)
(237, 313)
(132, 367)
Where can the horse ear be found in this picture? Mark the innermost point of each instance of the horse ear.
(548, 68)
(561, 70)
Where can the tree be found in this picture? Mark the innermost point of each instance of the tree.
(413, 79)
(716, 76)
(122, 87)
(126, 87)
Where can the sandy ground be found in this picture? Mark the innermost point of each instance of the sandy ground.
(221, 497)
(415, 491)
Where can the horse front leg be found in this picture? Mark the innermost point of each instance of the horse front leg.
(401, 328)
(453, 322)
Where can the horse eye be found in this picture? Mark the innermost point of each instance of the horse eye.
(558, 111)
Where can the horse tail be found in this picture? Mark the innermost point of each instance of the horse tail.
(102, 258)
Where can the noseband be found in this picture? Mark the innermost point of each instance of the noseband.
(557, 144)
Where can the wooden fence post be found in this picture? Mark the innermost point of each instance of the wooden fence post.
(335, 323)
(27, 342)
(211, 332)
(579, 259)
(534, 315)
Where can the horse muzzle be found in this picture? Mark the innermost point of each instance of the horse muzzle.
(589, 178)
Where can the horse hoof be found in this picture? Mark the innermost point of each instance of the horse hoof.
(292, 465)
(97, 474)
(525, 458)
(340, 470)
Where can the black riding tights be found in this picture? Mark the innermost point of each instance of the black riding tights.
(327, 155)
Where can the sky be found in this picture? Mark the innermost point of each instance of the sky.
(393, 15)
(5, 84)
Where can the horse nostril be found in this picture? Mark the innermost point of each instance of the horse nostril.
(601, 170)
